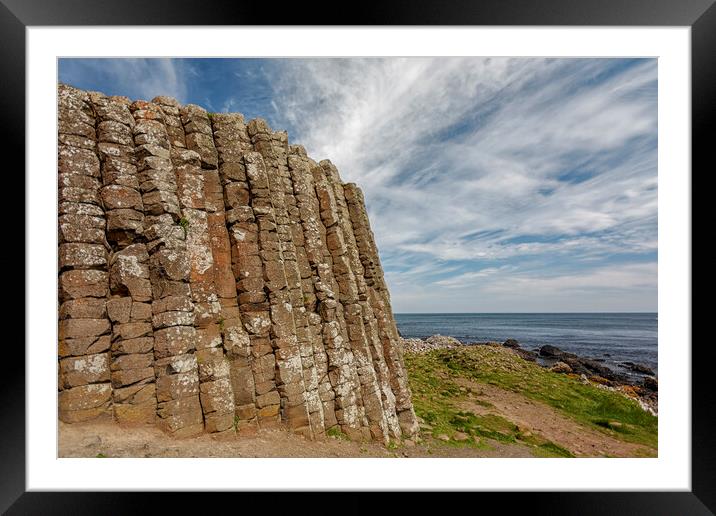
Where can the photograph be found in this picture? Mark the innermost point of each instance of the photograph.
(384, 257)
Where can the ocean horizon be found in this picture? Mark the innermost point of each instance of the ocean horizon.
(611, 337)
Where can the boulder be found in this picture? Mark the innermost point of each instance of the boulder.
(561, 367)
(511, 343)
(651, 383)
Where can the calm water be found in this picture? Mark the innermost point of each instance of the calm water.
(614, 337)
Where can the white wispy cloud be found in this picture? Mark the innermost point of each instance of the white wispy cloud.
(138, 78)
(448, 147)
(491, 183)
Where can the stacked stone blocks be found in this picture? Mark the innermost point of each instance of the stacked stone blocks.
(215, 278)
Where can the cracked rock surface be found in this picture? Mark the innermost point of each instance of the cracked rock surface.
(214, 278)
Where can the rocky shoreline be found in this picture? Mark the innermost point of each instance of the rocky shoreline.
(642, 385)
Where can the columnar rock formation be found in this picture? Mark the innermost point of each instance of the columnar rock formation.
(214, 278)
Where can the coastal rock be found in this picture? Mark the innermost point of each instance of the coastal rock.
(511, 343)
(443, 341)
(638, 368)
(550, 351)
(214, 278)
(651, 383)
(530, 356)
(429, 344)
(582, 366)
(561, 367)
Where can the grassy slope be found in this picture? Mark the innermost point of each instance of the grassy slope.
(432, 379)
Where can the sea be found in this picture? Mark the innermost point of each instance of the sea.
(611, 338)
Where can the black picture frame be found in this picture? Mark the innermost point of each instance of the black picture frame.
(700, 15)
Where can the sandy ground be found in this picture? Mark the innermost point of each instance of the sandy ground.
(110, 440)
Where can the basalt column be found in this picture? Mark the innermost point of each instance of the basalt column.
(336, 272)
(129, 307)
(84, 329)
(360, 319)
(213, 289)
(380, 302)
(252, 363)
(275, 317)
(175, 362)
(288, 328)
(319, 287)
(214, 278)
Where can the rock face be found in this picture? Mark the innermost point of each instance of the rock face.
(214, 278)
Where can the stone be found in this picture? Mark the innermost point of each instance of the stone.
(82, 256)
(270, 398)
(79, 233)
(83, 346)
(141, 312)
(174, 265)
(124, 377)
(268, 412)
(119, 309)
(84, 402)
(460, 436)
(77, 161)
(177, 386)
(133, 361)
(135, 345)
(139, 413)
(214, 278)
(78, 328)
(126, 220)
(131, 330)
(83, 370)
(79, 195)
(561, 367)
(137, 393)
(651, 383)
(175, 340)
(79, 181)
(217, 396)
(172, 304)
(83, 308)
(167, 319)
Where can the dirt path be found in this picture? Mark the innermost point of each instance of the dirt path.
(541, 419)
(110, 440)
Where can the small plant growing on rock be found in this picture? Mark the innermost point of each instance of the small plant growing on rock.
(221, 321)
(101, 456)
(184, 223)
(336, 433)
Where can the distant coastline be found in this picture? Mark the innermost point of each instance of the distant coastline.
(612, 338)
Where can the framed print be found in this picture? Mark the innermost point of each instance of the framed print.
(469, 271)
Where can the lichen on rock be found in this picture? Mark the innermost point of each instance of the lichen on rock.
(214, 278)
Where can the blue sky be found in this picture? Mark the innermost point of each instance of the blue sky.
(492, 184)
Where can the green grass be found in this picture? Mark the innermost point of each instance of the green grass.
(336, 433)
(101, 456)
(184, 223)
(432, 379)
(435, 394)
